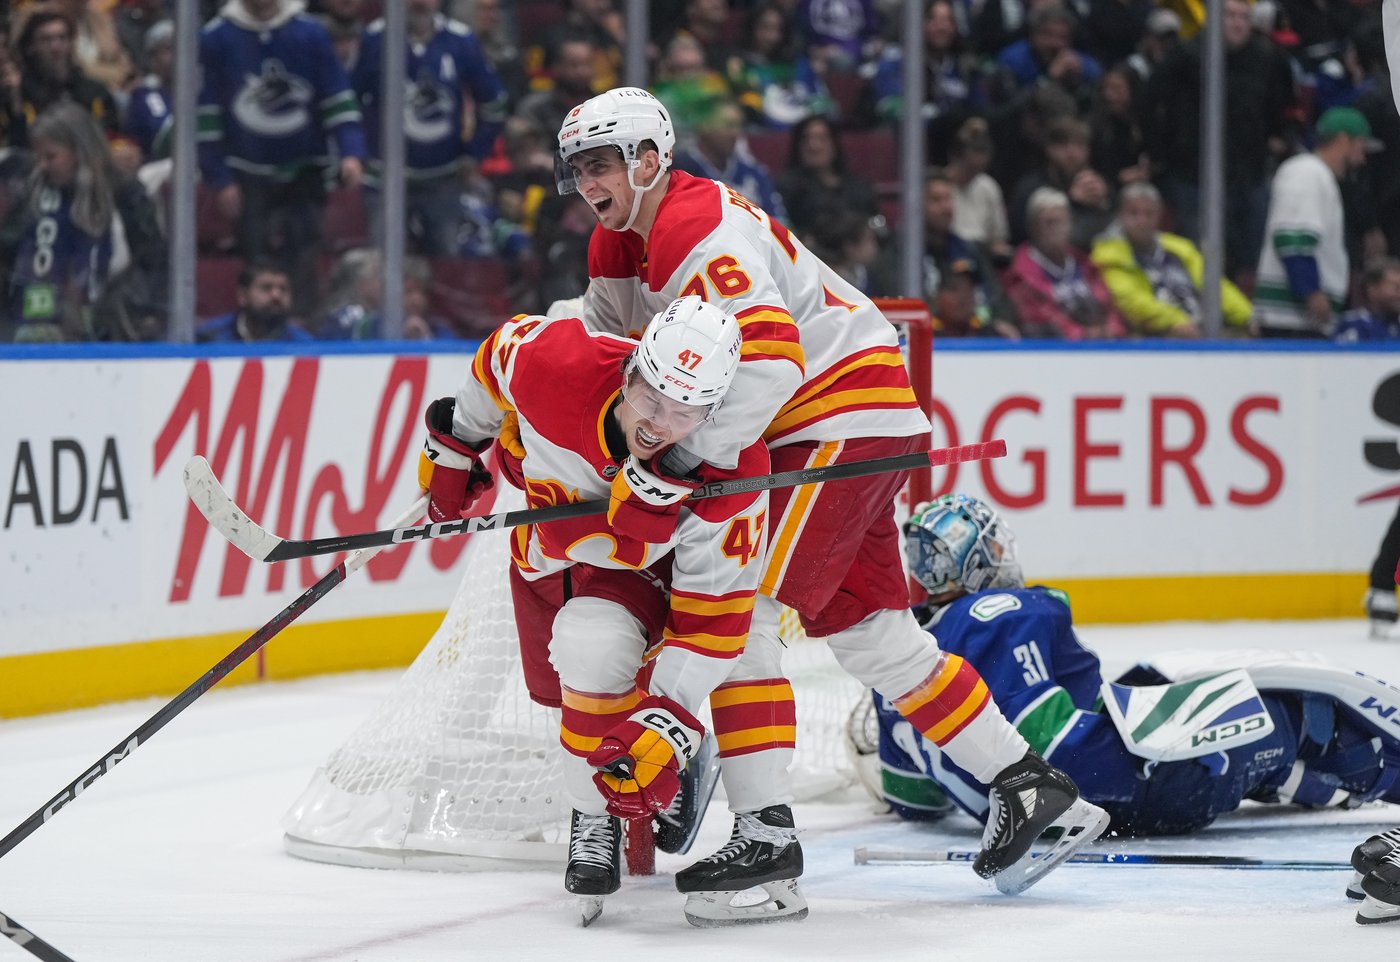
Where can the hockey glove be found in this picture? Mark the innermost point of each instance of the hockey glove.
(639, 761)
(449, 469)
(646, 501)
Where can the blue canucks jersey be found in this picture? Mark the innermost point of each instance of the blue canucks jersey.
(1022, 642)
(148, 118)
(271, 99)
(439, 73)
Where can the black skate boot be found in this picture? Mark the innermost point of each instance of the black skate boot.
(678, 825)
(595, 861)
(762, 851)
(1383, 609)
(1026, 799)
(1382, 888)
(1366, 856)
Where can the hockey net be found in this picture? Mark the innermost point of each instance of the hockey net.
(458, 769)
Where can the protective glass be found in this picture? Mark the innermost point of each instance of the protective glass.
(675, 417)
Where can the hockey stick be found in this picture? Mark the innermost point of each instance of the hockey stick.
(260, 544)
(28, 941)
(207, 681)
(873, 856)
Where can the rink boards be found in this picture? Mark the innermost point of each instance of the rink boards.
(1151, 483)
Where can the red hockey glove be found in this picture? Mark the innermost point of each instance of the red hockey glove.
(646, 502)
(449, 468)
(639, 761)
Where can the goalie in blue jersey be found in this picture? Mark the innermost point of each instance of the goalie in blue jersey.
(1166, 747)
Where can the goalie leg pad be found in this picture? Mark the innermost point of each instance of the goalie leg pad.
(781, 901)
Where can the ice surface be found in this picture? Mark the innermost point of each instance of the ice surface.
(177, 856)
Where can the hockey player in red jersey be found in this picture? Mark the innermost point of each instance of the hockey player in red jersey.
(821, 379)
(581, 405)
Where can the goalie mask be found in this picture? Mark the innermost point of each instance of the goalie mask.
(623, 118)
(957, 542)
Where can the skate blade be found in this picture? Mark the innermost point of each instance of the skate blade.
(1373, 910)
(590, 907)
(1081, 823)
(1354, 890)
(783, 902)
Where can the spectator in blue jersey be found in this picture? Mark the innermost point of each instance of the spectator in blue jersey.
(49, 74)
(838, 30)
(777, 84)
(148, 119)
(817, 180)
(1322, 751)
(952, 89)
(354, 306)
(718, 152)
(273, 99)
(1047, 55)
(445, 66)
(82, 253)
(1378, 318)
(264, 311)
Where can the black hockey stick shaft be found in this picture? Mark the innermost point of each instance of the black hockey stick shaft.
(27, 940)
(180, 702)
(872, 856)
(287, 550)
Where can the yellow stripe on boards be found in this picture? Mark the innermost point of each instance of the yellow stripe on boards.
(51, 681)
(1214, 597)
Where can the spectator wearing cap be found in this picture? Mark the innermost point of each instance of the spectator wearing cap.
(1047, 55)
(148, 118)
(1159, 40)
(1378, 317)
(1259, 91)
(1304, 270)
(1056, 290)
(959, 284)
(1156, 277)
(49, 73)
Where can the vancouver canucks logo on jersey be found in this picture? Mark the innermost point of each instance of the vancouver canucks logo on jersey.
(428, 109)
(274, 103)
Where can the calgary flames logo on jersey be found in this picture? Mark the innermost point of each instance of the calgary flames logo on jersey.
(547, 493)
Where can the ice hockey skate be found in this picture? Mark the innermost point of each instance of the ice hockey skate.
(1382, 889)
(1383, 609)
(1366, 856)
(677, 826)
(595, 862)
(762, 852)
(1028, 799)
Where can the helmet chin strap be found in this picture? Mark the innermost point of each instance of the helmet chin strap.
(637, 193)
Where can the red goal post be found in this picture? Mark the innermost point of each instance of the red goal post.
(912, 319)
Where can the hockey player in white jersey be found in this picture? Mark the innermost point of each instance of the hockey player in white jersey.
(640, 633)
(822, 380)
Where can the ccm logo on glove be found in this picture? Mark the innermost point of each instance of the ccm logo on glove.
(638, 761)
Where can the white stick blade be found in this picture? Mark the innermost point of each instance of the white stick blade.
(223, 514)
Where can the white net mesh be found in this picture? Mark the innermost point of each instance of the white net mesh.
(457, 768)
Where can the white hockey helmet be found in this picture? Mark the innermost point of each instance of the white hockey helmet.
(625, 118)
(689, 352)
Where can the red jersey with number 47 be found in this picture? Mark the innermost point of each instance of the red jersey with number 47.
(819, 363)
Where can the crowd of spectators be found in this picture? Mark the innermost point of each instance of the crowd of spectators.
(1062, 198)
